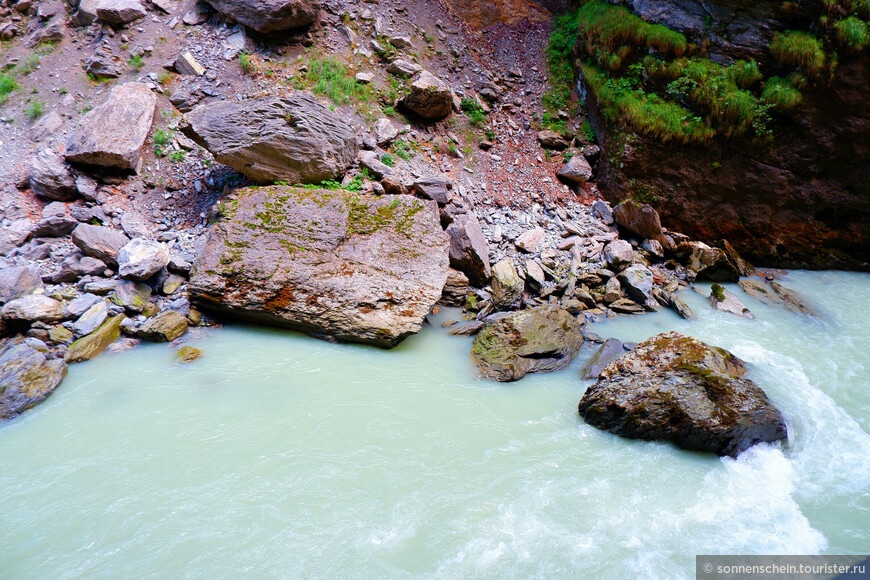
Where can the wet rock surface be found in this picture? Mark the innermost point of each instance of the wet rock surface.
(541, 339)
(27, 377)
(676, 388)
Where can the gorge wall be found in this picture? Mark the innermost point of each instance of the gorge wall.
(798, 197)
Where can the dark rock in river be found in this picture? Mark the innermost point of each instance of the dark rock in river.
(676, 388)
(334, 264)
(540, 339)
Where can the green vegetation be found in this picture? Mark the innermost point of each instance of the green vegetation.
(136, 62)
(781, 95)
(558, 96)
(718, 292)
(176, 156)
(7, 85)
(403, 149)
(329, 77)
(248, 63)
(474, 111)
(490, 135)
(852, 34)
(388, 160)
(161, 139)
(165, 78)
(588, 133)
(34, 110)
(800, 50)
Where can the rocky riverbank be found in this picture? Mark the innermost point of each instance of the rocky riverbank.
(343, 198)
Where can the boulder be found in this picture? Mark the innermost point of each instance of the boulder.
(434, 188)
(370, 161)
(535, 274)
(50, 177)
(120, 12)
(32, 308)
(80, 305)
(269, 15)
(385, 132)
(577, 170)
(290, 138)
(638, 282)
(97, 140)
(75, 265)
(540, 339)
(727, 301)
(602, 210)
(639, 219)
(90, 320)
(455, 289)
(507, 286)
(99, 242)
(14, 234)
(744, 268)
(56, 221)
(186, 64)
(95, 343)
(469, 252)
(429, 97)
(165, 327)
(551, 140)
(18, 281)
(608, 352)
(618, 254)
(403, 68)
(530, 240)
(707, 263)
(133, 296)
(187, 354)
(140, 259)
(676, 388)
(27, 377)
(86, 13)
(334, 264)
(466, 328)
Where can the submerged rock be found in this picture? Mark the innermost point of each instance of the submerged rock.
(540, 339)
(290, 138)
(675, 388)
(27, 377)
(726, 301)
(775, 293)
(334, 264)
(187, 354)
(606, 354)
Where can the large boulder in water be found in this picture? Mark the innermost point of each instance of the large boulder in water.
(334, 264)
(290, 138)
(675, 388)
(535, 340)
(112, 135)
(27, 377)
(269, 15)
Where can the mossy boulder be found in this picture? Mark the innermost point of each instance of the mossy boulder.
(27, 377)
(676, 388)
(536, 340)
(335, 264)
(95, 343)
(165, 327)
(187, 354)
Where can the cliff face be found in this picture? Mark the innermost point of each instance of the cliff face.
(799, 199)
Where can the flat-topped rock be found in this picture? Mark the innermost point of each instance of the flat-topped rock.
(334, 264)
(269, 15)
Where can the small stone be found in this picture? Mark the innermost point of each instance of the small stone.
(530, 240)
(187, 354)
(165, 327)
(186, 64)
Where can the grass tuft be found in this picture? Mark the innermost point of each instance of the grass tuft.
(799, 50)
(852, 34)
(781, 95)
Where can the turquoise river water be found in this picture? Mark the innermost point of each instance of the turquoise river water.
(281, 456)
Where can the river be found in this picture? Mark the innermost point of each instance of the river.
(280, 456)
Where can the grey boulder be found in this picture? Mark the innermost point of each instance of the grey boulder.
(99, 242)
(50, 177)
(618, 254)
(18, 281)
(429, 97)
(98, 138)
(119, 11)
(469, 252)
(577, 170)
(290, 138)
(269, 15)
(33, 308)
(637, 282)
(140, 259)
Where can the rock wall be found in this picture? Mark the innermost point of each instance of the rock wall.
(799, 201)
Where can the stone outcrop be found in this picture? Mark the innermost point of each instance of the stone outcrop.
(707, 263)
(334, 264)
(776, 293)
(97, 139)
(675, 388)
(120, 12)
(535, 340)
(27, 377)
(290, 138)
(269, 15)
(429, 97)
(796, 200)
(51, 178)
